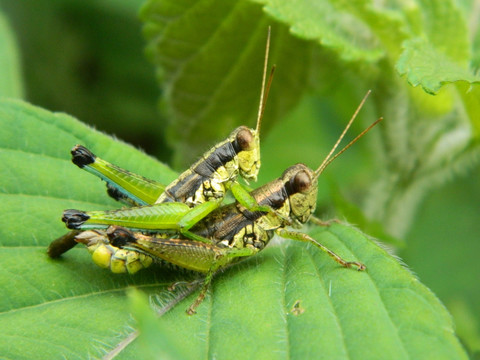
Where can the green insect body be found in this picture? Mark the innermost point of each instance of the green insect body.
(234, 231)
(231, 226)
(166, 217)
(211, 176)
(202, 187)
(189, 198)
(222, 235)
(208, 179)
(193, 195)
(184, 223)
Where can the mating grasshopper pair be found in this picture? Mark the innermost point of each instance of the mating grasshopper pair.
(184, 223)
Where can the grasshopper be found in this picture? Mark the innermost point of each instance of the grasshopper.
(207, 179)
(225, 235)
(205, 183)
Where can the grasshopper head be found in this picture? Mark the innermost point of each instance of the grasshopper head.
(301, 185)
(247, 145)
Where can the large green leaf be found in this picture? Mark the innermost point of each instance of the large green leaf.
(356, 30)
(339, 313)
(426, 66)
(289, 301)
(446, 28)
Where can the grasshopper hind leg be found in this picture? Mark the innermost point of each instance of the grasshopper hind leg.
(122, 184)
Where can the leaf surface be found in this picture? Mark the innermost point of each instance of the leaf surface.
(291, 300)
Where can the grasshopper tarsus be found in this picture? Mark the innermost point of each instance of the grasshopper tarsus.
(346, 264)
(326, 223)
(191, 310)
(203, 292)
(359, 265)
(81, 156)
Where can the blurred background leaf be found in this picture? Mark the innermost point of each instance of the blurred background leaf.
(11, 84)
(87, 58)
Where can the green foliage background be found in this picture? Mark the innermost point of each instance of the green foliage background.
(413, 182)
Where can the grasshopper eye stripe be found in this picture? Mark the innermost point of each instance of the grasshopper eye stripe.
(219, 157)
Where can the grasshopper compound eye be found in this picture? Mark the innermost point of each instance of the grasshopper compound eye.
(245, 139)
(301, 182)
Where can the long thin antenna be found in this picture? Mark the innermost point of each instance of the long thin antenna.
(322, 168)
(328, 159)
(267, 90)
(264, 94)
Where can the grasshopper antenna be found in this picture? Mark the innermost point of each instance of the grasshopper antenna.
(265, 91)
(329, 159)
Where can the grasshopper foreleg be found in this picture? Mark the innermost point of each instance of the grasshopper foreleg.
(245, 199)
(304, 237)
(321, 222)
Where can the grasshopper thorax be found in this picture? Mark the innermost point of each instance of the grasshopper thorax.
(301, 185)
(247, 146)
